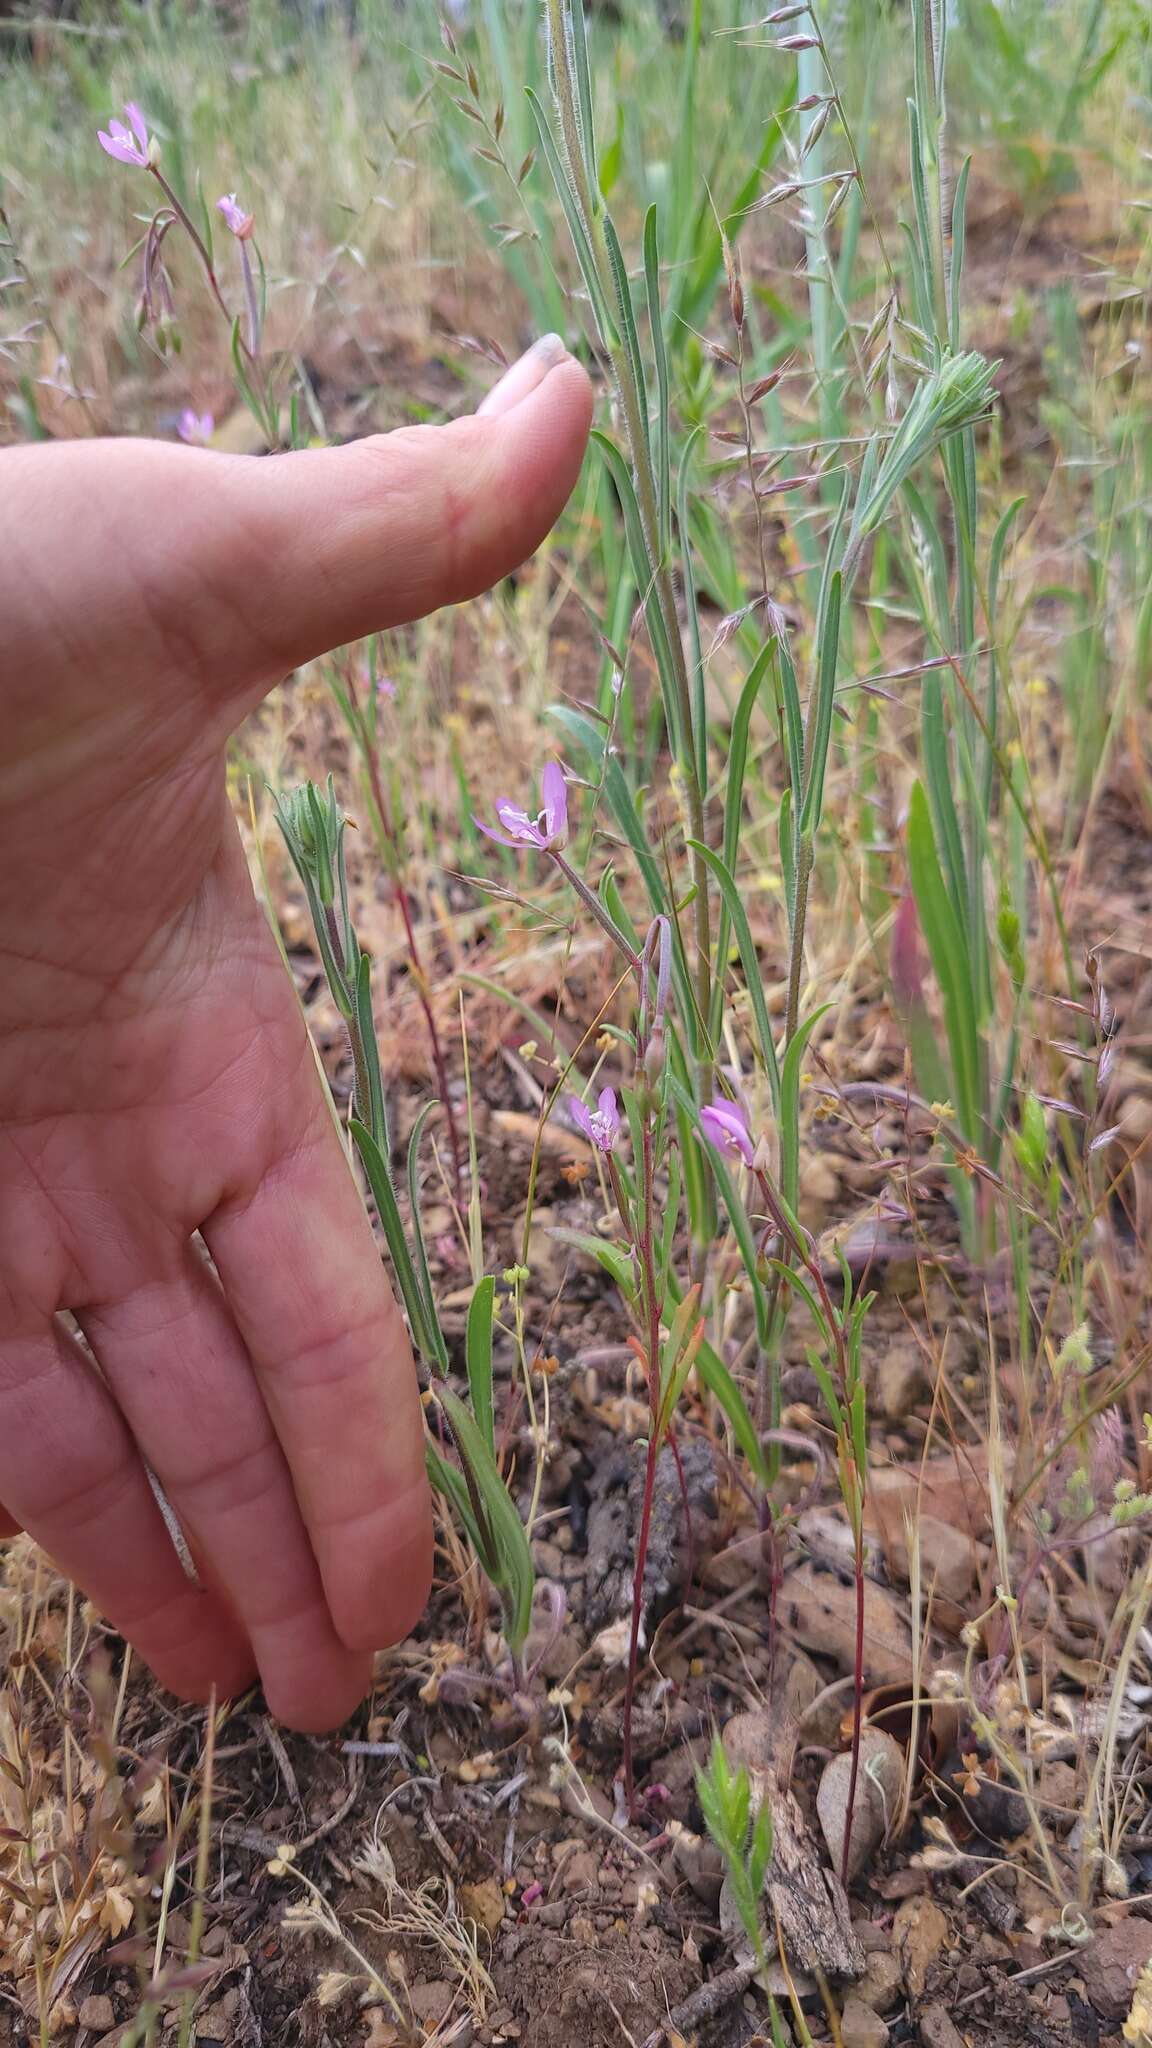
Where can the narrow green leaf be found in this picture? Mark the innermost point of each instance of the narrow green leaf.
(827, 1387)
(660, 357)
(930, 542)
(447, 1480)
(738, 752)
(620, 801)
(627, 321)
(617, 909)
(692, 609)
(580, 243)
(996, 553)
(585, 106)
(613, 1260)
(517, 1577)
(478, 1356)
(373, 1112)
(384, 1195)
(959, 233)
(821, 720)
(733, 811)
(671, 1216)
(643, 567)
(944, 935)
(790, 1106)
(760, 1850)
(786, 839)
(921, 204)
(938, 780)
(858, 1417)
(793, 721)
(424, 1276)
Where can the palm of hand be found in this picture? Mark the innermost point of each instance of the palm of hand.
(158, 1093)
(156, 1082)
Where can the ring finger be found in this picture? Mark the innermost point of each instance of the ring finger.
(182, 1376)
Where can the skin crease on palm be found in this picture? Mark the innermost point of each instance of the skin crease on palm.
(156, 1081)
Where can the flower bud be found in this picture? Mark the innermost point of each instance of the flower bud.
(654, 1057)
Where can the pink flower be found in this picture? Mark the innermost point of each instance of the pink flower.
(386, 689)
(118, 140)
(195, 427)
(726, 1127)
(241, 223)
(601, 1126)
(548, 829)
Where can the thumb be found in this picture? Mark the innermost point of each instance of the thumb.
(331, 544)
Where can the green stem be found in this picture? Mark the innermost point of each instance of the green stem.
(928, 32)
(799, 920)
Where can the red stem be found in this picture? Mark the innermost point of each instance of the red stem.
(201, 247)
(857, 1711)
(637, 1613)
(770, 1544)
(652, 1319)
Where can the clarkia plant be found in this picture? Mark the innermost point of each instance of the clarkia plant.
(130, 142)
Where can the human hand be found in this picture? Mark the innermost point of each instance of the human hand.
(156, 1079)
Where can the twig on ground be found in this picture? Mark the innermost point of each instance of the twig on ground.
(265, 1844)
(995, 1985)
(510, 1831)
(447, 1852)
(704, 2004)
(288, 1777)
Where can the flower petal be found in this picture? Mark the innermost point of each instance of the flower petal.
(581, 1116)
(124, 151)
(554, 791)
(525, 831)
(139, 125)
(490, 832)
(725, 1126)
